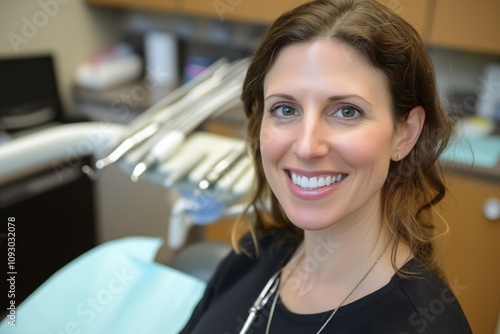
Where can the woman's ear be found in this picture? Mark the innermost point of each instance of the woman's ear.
(408, 133)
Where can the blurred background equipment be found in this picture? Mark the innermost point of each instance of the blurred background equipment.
(111, 67)
(29, 93)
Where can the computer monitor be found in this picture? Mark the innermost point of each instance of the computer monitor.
(28, 92)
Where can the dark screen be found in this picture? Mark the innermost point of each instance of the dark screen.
(27, 83)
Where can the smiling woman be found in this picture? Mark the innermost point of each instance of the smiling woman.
(346, 129)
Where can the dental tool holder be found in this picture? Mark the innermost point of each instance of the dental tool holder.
(211, 173)
(189, 167)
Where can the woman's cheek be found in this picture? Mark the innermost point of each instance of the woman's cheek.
(268, 141)
(364, 147)
(370, 159)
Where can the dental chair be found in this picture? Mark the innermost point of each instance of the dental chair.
(111, 285)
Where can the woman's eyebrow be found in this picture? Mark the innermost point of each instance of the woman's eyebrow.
(347, 96)
(333, 98)
(282, 96)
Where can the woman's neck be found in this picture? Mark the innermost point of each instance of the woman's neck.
(342, 251)
(330, 263)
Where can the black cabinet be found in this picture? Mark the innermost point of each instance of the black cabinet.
(53, 218)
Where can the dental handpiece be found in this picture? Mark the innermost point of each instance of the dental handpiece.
(204, 204)
(150, 121)
(148, 116)
(168, 143)
(179, 170)
(221, 169)
(127, 145)
(147, 132)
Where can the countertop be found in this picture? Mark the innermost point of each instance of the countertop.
(477, 156)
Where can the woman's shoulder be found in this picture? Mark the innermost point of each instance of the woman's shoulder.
(419, 302)
(421, 284)
(431, 303)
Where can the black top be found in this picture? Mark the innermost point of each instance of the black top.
(420, 304)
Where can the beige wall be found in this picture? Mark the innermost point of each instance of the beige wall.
(69, 29)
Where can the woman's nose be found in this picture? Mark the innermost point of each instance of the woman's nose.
(312, 140)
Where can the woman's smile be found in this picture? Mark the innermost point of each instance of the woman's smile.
(315, 182)
(313, 185)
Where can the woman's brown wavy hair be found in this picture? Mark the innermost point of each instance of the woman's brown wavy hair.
(387, 42)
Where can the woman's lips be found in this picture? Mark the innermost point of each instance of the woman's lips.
(311, 183)
(313, 186)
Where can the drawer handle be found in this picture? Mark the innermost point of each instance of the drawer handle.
(491, 208)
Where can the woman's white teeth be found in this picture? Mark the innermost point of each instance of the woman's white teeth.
(315, 182)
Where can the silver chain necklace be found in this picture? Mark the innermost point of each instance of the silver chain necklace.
(276, 285)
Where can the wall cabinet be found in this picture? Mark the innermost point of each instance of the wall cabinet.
(464, 24)
(258, 11)
(265, 11)
(415, 12)
(472, 259)
(164, 5)
(460, 24)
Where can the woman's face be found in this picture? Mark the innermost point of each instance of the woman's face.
(327, 134)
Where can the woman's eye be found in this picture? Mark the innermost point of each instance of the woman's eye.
(284, 111)
(347, 112)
